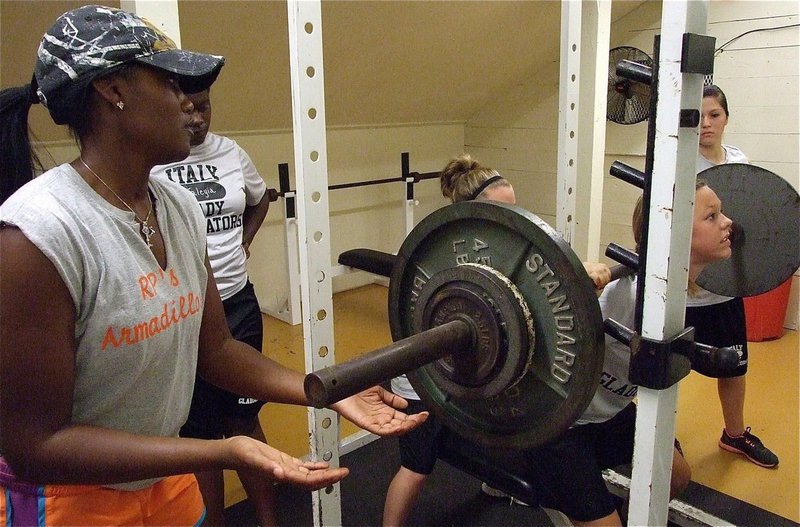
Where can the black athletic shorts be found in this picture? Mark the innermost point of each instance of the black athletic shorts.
(419, 448)
(567, 473)
(720, 325)
(211, 404)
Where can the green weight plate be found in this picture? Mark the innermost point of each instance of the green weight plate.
(501, 326)
(568, 355)
(766, 242)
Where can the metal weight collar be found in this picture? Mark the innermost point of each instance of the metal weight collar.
(146, 229)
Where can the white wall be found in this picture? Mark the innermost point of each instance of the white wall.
(516, 133)
(758, 72)
(359, 217)
(626, 143)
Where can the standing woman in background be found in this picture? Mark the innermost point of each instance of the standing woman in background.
(108, 306)
(720, 320)
(234, 200)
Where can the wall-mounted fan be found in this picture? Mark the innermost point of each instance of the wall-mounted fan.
(628, 100)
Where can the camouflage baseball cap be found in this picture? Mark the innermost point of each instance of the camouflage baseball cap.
(93, 39)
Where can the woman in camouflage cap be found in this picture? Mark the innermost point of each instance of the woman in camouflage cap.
(108, 306)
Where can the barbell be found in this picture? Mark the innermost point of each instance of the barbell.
(496, 324)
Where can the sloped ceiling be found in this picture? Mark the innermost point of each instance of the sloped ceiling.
(384, 62)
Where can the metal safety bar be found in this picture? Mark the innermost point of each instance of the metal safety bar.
(406, 177)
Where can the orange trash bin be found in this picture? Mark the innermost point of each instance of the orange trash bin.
(766, 312)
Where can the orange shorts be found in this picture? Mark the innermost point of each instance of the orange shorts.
(175, 500)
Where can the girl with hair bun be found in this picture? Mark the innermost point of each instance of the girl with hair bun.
(465, 179)
(462, 179)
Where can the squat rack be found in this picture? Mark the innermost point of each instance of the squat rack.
(289, 311)
(669, 219)
(675, 149)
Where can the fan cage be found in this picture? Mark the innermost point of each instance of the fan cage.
(628, 101)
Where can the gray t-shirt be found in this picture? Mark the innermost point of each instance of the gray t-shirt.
(615, 392)
(732, 155)
(137, 325)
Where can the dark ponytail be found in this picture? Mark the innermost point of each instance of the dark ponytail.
(17, 159)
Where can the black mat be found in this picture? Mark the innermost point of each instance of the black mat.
(453, 498)
(450, 497)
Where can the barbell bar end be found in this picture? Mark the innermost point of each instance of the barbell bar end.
(315, 390)
(334, 383)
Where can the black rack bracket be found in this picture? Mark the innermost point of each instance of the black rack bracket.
(697, 54)
(659, 364)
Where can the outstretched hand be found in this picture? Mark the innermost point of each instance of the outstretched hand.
(377, 411)
(254, 456)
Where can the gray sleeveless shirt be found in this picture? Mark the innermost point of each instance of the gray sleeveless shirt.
(137, 325)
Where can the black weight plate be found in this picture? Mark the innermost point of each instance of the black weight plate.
(502, 328)
(766, 244)
(568, 356)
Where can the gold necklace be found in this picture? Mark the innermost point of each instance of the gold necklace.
(147, 230)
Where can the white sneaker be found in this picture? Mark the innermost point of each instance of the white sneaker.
(497, 493)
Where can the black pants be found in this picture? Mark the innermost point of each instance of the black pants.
(210, 403)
